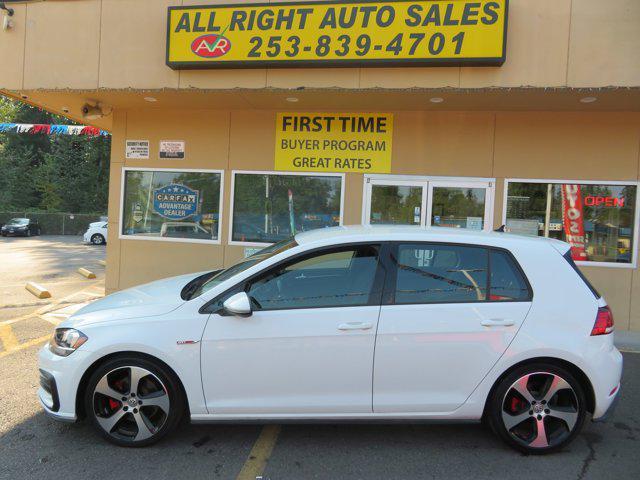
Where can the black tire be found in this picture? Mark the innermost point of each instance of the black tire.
(97, 239)
(169, 381)
(557, 433)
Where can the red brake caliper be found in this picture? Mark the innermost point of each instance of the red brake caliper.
(114, 404)
(515, 404)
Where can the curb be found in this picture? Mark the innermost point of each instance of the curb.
(38, 290)
(86, 273)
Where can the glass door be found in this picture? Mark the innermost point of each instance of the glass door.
(460, 205)
(464, 203)
(395, 202)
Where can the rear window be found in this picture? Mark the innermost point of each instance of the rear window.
(507, 282)
(445, 273)
(567, 257)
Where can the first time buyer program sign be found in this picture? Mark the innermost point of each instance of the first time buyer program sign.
(334, 142)
(338, 33)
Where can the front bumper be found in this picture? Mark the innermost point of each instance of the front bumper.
(60, 377)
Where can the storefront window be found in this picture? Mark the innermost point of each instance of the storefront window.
(270, 207)
(171, 204)
(597, 220)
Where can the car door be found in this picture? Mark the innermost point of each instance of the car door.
(308, 346)
(449, 313)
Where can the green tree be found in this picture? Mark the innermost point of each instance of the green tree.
(50, 172)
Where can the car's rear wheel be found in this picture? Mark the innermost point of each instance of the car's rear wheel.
(538, 408)
(134, 402)
(97, 239)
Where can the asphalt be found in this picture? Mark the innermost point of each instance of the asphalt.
(34, 446)
(52, 261)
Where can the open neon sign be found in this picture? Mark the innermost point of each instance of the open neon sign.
(598, 201)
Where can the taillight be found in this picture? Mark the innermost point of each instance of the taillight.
(604, 322)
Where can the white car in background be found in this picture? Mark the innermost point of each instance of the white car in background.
(96, 233)
(348, 323)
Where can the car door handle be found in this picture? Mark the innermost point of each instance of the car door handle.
(355, 326)
(497, 322)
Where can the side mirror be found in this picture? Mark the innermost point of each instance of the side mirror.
(238, 305)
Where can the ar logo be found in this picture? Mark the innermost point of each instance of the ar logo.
(211, 46)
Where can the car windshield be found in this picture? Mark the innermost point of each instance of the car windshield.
(18, 221)
(208, 282)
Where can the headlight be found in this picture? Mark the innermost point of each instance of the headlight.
(65, 341)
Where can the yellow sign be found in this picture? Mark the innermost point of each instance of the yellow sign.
(454, 32)
(334, 142)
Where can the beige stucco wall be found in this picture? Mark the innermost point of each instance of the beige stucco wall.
(88, 44)
(598, 146)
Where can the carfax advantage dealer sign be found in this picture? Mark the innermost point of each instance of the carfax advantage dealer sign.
(454, 32)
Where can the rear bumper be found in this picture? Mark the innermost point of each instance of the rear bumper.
(612, 406)
(605, 375)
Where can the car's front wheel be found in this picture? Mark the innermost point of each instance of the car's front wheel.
(538, 408)
(134, 402)
(97, 239)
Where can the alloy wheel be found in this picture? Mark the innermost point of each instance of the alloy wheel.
(540, 410)
(130, 403)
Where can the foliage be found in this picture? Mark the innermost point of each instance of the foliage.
(50, 172)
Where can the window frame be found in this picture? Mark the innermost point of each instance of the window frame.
(123, 236)
(389, 292)
(230, 240)
(379, 281)
(581, 263)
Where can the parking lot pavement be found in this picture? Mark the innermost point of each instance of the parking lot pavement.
(51, 261)
(33, 446)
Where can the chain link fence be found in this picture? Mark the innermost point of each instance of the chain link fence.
(57, 223)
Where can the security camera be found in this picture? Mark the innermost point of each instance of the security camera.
(92, 112)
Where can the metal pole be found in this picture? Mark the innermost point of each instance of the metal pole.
(547, 216)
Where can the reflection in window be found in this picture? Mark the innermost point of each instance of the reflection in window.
(338, 278)
(457, 207)
(430, 273)
(395, 205)
(507, 283)
(268, 207)
(596, 220)
(167, 204)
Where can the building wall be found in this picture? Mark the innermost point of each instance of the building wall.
(553, 145)
(118, 44)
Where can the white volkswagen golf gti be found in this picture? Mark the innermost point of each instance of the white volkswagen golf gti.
(348, 324)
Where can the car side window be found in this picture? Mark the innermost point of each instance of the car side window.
(507, 282)
(340, 277)
(440, 273)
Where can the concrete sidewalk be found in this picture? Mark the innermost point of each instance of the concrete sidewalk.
(627, 341)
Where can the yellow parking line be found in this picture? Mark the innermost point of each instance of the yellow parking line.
(22, 346)
(260, 453)
(9, 340)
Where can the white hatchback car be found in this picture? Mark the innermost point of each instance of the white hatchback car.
(344, 324)
(96, 233)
